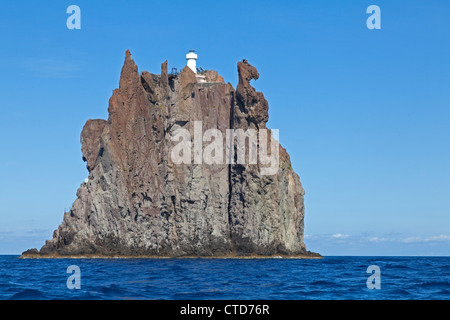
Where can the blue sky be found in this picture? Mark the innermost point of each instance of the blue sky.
(364, 114)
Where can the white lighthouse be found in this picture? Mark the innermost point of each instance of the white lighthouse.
(191, 58)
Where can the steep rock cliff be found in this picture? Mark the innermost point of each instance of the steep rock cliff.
(138, 202)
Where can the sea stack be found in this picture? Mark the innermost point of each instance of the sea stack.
(139, 202)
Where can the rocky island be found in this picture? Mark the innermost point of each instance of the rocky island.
(139, 202)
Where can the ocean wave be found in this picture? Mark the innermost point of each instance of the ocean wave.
(28, 294)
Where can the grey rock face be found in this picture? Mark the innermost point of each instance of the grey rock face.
(139, 202)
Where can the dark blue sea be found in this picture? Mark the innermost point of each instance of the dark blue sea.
(332, 278)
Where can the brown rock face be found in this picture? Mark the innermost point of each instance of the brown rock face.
(139, 201)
